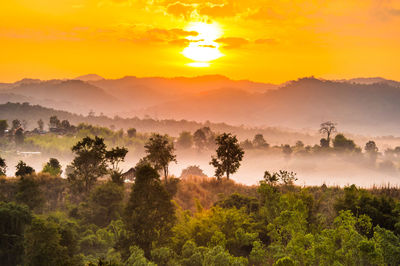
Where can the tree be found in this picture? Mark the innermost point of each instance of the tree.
(150, 214)
(14, 219)
(19, 136)
(3, 127)
(259, 142)
(229, 155)
(160, 152)
(185, 140)
(131, 132)
(54, 122)
(271, 178)
(115, 156)
(200, 139)
(29, 193)
(23, 169)
(341, 143)
(372, 150)
(43, 244)
(89, 163)
(16, 124)
(193, 170)
(3, 167)
(53, 167)
(105, 204)
(40, 124)
(287, 150)
(328, 128)
(65, 125)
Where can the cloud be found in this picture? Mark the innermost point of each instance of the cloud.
(265, 13)
(179, 9)
(218, 11)
(232, 42)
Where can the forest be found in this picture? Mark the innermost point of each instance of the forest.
(91, 212)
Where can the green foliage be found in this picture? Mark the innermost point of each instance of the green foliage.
(29, 193)
(149, 215)
(104, 204)
(160, 152)
(13, 221)
(383, 211)
(23, 169)
(229, 155)
(43, 244)
(114, 157)
(53, 167)
(88, 164)
(250, 204)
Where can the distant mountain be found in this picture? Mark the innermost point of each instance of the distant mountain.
(305, 103)
(32, 113)
(362, 105)
(89, 77)
(373, 81)
(73, 95)
(144, 92)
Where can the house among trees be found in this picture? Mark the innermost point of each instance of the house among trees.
(130, 174)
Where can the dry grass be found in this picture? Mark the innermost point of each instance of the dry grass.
(207, 191)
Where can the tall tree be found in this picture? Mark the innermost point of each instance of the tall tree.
(160, 152)
(372, 150)
(200, 139)
(150, 214)
(89, 163)
(3, 127)
(14, 219)
(3, 167)
(328, 128)
(19, 137)
(54, 122)
(259, 141)
(40, 124)
(229, 155)
(115, 156)
(185, 140)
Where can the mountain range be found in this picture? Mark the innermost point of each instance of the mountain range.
(360, 105)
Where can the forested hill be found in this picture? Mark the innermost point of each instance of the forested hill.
(32, 113)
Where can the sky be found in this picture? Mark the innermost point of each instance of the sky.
(266, 41)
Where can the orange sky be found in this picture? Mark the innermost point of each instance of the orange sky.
(270, 41)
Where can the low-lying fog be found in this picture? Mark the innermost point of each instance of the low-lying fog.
(330, 169)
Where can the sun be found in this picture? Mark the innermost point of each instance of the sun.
(203, 48)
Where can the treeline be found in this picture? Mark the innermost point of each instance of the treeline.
(95, 218)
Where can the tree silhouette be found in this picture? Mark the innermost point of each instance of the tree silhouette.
(328, 128)
(229, 155)
(89, 163)
(160, 152)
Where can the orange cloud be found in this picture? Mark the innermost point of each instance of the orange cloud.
(265, 41)
(179, 9)
(232, 42)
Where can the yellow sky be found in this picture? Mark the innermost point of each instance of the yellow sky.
(270, 41)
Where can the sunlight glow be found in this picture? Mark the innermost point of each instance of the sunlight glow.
(203, 48)
(199, 64)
